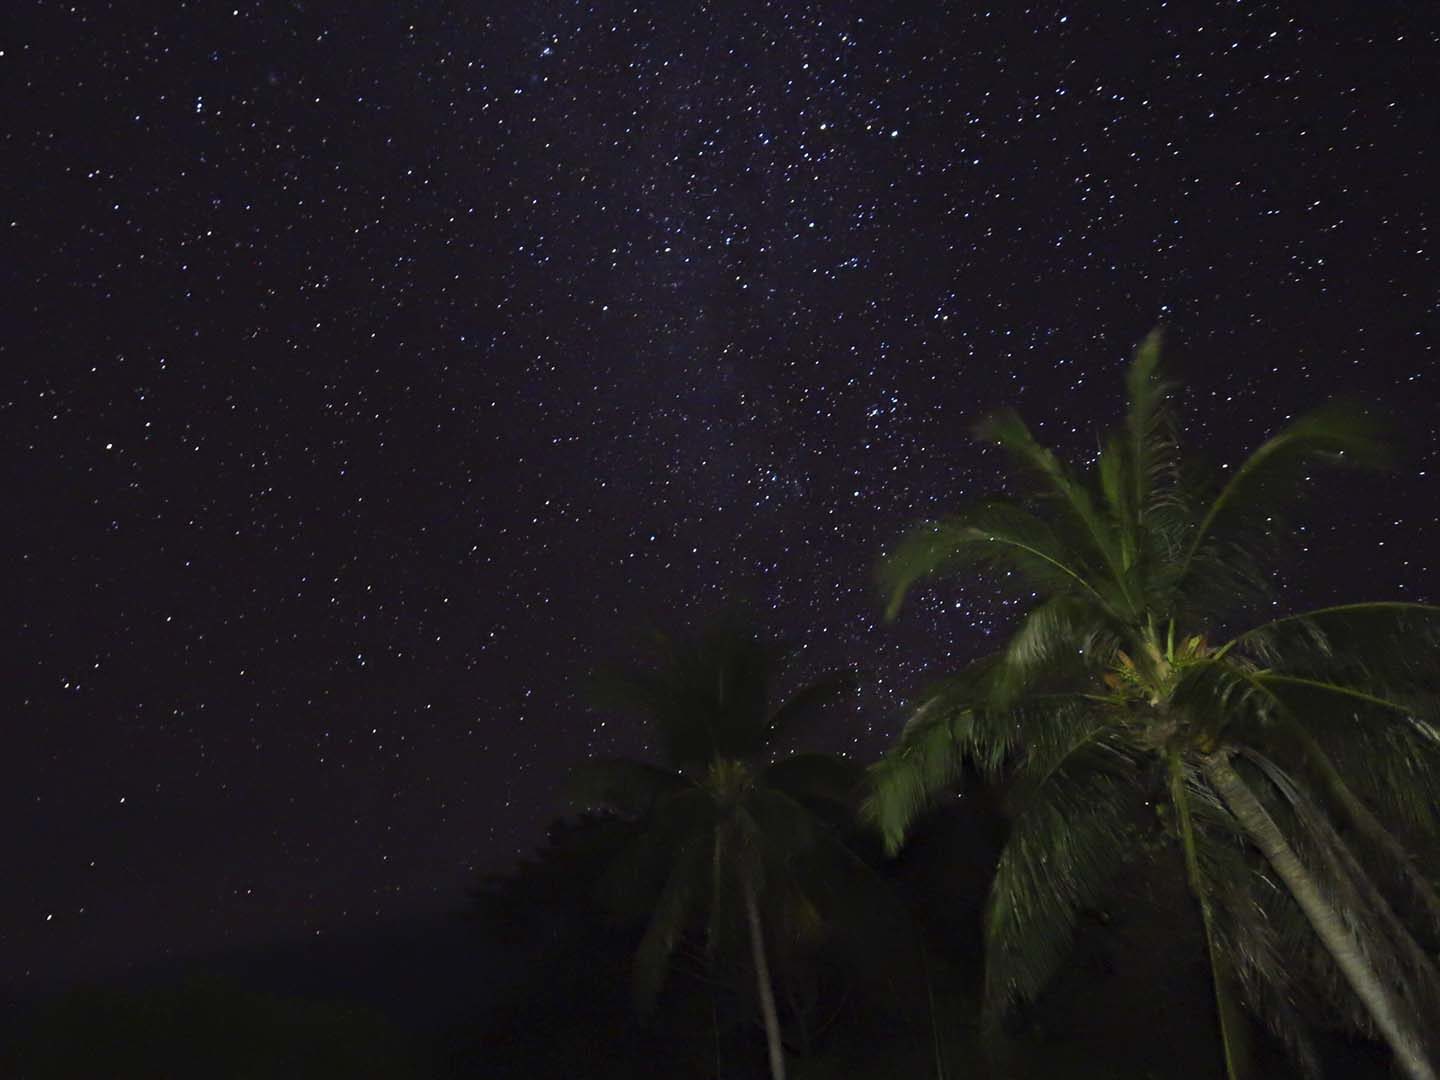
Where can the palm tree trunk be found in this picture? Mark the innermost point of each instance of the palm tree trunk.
(1227, 1009)
(934, 1027)
(1323, 918)
(762, 979)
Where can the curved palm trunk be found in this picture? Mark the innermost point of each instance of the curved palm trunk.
(1358, 889)
(762, 979)
(1227, 1009)
(1323, 918)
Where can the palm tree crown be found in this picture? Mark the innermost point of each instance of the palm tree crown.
(723, 827)
(1125, 685)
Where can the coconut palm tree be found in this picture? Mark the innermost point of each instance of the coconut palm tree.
(1127, 695)
(724, 829)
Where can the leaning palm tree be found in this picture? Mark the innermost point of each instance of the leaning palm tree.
(1127, 687)
(722, 827)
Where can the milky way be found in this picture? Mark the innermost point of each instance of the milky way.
(375, 373)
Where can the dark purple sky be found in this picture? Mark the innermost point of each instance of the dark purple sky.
(372, 370)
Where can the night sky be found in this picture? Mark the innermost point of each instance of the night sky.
(372, 371)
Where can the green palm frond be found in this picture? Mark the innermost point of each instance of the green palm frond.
(1400, 798)
(1066, 734)
(1221, 697)
(1364, 751)
(1153, 454)
(639, 871)
(1316, 985)
(812, 701)
(1138, 467)
(631, 787)
(1064, 848)
(1374, 746)
(783, 829)
(668, 920)
(1268, 939)
(948, 729)
(1112, 469)
(1373, 924)
(704, 696)
(634, 693)
(685, 722)
(822, 778)
(952, 728)
(1394, 770)
(1085, 528)
(1222, 582)
(1242, 907)
(992, 538)
(1059, 641)
(928, 758)
(1376, 645)
(1268, 479)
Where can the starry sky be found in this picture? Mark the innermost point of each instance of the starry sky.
(373, 370)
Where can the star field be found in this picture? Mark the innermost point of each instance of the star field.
(374, 372)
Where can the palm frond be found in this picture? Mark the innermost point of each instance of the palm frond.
(1267, 480)
(668, 921)
(1409, 802)
(1112, 468)
(1065, 846)
(929, 758)
(1223, 698)
(1223, 582)
(1152, 457)
(1243, 899)
(634, 693)
(1090, 530)
(787, 828)
(991, 538)
(1374, 745)
(1363, 750)
(1064, 733)
(812, 701)
(639, 871)
(954, 725)
(1377, 931)
(1138, 468)
(622, 784)
(678, 714)
(1057, 643)
(1370, 646)
(704, 696)
(824, 778)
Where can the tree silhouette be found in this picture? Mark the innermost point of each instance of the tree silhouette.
(1125, 686)
(725, 830)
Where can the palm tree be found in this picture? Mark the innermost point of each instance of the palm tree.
(722, 826)
(1125, 690)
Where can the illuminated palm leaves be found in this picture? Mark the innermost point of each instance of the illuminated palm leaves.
(1111, 678)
